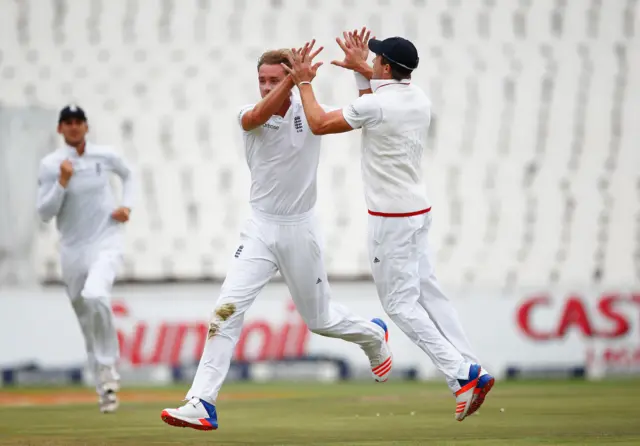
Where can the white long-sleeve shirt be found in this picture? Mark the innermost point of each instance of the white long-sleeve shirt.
(83, 209)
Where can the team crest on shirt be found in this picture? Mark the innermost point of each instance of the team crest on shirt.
(297, 122)
(98, 168)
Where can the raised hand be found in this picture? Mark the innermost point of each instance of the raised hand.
(301, 59)
(355, 48)
(361, 41)
(66, 171)
(121, 214)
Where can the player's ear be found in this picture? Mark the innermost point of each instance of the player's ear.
(60, 128)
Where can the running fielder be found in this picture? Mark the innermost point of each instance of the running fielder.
(394, 116)
(281, 235)
(74, 188)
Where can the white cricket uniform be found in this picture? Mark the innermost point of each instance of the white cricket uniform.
(395, 121)
(281, 235)
(90, 242)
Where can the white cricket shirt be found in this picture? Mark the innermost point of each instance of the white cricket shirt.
(83, 209)
(395, 121)
(282, 156)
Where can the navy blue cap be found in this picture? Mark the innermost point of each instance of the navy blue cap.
(397, 51)
(70, 112)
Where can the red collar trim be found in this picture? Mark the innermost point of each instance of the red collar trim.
(393, 83)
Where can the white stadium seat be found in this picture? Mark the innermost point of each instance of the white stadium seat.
(533, 170)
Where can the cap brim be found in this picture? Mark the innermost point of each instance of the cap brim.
(375, 46)
(67, 116)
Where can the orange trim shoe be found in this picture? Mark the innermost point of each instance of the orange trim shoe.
(196, 414)
(382, 362)
(465, 395)
(484, 386)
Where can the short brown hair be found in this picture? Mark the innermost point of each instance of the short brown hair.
(397, 72)
(275, 57)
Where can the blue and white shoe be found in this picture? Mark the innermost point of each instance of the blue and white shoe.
(484, 386)
(465, 395)
(381, 361)
(196, 414)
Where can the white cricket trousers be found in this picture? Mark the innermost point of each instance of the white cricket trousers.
(404, 275)
(88, 274)
(268, 244)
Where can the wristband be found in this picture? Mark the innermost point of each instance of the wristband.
(304, 82)
(361, 81)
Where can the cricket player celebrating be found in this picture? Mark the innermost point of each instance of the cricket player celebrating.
(394, 116)
(281, 235)
(74, 188)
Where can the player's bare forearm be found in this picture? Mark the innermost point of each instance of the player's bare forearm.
(366, 70)
(321, 122)
(268, 106)
(312, 110)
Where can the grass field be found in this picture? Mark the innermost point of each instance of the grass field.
(335, 414)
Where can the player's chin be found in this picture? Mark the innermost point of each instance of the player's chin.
(74, 138)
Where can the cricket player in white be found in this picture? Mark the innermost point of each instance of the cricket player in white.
(394, 116)
(281, 235)
(74, 188)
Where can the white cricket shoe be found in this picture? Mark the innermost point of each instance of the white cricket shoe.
(466, 392)
(108, 402)
(196, 414)
(381, 362)
(109, 385)
(484, 386)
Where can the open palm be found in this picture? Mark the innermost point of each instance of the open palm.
(355, 47)
(302, 67)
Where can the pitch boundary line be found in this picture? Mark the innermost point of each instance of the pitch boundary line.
(29, 399)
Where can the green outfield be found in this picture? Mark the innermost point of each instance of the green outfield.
(335, 414)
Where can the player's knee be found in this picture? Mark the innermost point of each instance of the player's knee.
(100, 303)
(318, 326)
(393, 307)
(322, 331)
(224, 320)
(224, 311)
(98, 311)
(95, 291)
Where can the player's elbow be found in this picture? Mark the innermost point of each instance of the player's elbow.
(319, 127)
(252, 120)
(247, 127)
(318, 130)
(329, 126)
(44, 213)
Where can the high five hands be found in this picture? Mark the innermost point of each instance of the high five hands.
(356, 52)
(301, 61)
(356, 49)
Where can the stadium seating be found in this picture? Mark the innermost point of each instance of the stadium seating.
(534, 167)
